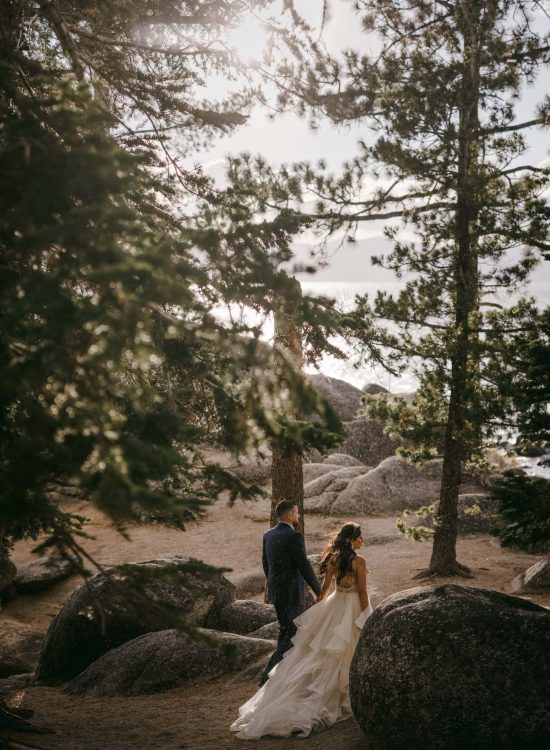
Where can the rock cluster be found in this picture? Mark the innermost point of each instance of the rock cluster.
(116, 643)
(108, 610)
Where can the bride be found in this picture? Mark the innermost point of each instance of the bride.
(309, 689)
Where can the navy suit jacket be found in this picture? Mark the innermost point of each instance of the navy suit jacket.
(286, 566)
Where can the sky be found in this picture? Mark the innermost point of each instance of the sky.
(288, 138)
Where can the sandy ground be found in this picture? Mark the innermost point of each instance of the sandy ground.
(198, 716)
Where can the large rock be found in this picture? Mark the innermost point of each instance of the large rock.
(270, 631)
(313, 471)
(450, 667)
(344, 398)
(167, 659)
(535, 578)
(320, 494)
(20, 648)
(336, 480)
(373, 389)
(477, 513)
(242, 616)
(394, 485)
(367, 442)
(122, 603)
(250, 583)
(342, 459)
(41, 573)
(253, 472)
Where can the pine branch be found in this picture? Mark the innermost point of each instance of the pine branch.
(176, 19)
(360, 215)
(172, 51)
(532, 55)
(525, 168)
(65, 39)
(519, 126)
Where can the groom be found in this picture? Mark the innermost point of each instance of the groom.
(286, 568)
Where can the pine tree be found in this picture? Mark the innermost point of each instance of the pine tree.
(114, 369)
(438, 97)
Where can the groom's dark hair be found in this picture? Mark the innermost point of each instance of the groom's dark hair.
(284, 506)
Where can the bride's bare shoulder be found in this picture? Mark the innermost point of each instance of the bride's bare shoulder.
(361, 563)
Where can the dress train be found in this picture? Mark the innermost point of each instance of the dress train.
(309, 689)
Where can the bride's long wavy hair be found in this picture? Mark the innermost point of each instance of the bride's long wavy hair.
(341, 551)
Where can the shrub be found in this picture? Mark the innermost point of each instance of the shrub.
(524, 512)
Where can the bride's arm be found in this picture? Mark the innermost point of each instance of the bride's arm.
(327, 580)
(361, 570)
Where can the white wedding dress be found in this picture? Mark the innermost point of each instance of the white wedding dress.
(309, 689)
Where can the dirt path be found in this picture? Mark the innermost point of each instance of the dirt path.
(198, 717)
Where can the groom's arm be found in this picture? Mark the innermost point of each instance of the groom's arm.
(302, 563)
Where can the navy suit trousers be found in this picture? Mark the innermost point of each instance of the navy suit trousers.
(286, 614)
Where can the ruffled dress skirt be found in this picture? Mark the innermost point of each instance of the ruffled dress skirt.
(308, 689)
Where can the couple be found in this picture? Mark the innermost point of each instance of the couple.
(308, 689)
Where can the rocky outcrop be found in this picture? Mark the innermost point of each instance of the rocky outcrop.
(321, 493)
(536, 578)
(450, 667)
(373, 389)
(242, 616)
(367, 442)
(167, 659)
(122, 603)
(313, 471)
(394, 485)
(344, 398)
(20, 648)
(342, 459)
(41, 573)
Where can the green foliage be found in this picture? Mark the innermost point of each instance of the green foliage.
(531, 384)
(417, 532)
(524, 511)
(414, 95)
(447, 158)
(115, 370)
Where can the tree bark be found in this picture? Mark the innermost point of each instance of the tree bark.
(286, 468)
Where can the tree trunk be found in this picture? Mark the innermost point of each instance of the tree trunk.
(286, 469)
(466, 277)
(287, 481)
